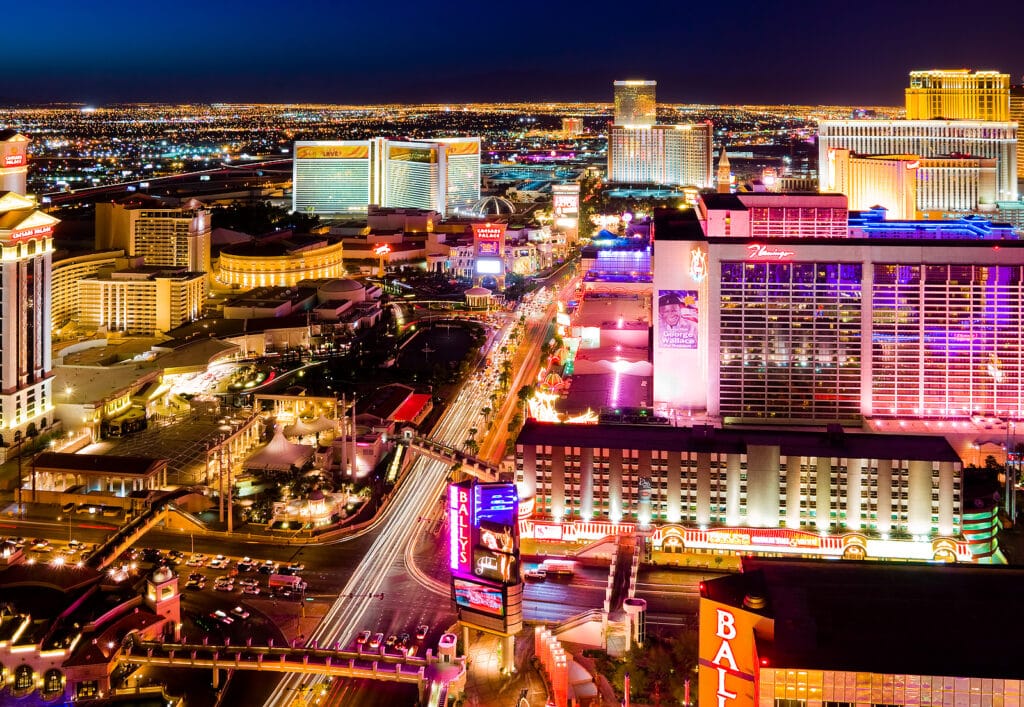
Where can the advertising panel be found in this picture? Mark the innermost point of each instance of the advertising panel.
(727, 660)
(469, 147)
(332, 152)
(678, 317)
(565, 205)
(496, 566)
(497, 537)
(495, 503)
(487, 248)
(489, 266)
(412, 154)
(479, 597)
(16, 160)
(459, 529)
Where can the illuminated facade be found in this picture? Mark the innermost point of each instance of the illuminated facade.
(958, 94)
(26, 397)
(144, 300)
(901, 319)
(280, 262)
(164, 236)
(929, 139)
(65, 278)
(763, 641)
(907, 185)
(331, 177)
(1017, 116)
(636, 103)
(827, 494)
(346, 176)
(662, 154)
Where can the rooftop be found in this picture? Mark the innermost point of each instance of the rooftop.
(917, 619)
(709, 439)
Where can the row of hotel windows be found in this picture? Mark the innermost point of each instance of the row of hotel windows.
(826, 688)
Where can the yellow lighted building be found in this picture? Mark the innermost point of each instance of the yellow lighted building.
(280, 262)
(908, 185)
(958, 94)
(64, 283)
(1017, 116)
(143, 300)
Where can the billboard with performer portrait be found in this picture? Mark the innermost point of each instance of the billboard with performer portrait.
(678, 317)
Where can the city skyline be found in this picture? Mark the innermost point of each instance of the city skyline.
(95, 54)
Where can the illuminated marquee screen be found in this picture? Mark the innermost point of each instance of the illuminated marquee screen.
(487, 248)
(495, 503)
(479, 597)
(490, 266)
(566, 205)
(16, 160)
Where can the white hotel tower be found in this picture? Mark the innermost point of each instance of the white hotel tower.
(26, 240)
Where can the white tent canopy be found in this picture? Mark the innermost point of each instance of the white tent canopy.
(279, 454)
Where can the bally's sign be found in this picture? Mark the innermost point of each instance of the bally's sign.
(726, 664)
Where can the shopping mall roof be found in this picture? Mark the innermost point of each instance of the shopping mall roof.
(809, 443)
(908, 618)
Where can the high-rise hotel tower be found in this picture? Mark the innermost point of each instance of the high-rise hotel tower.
(345, 176)
(958, 94)
(642, 152)
(26, 240)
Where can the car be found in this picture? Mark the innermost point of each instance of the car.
(296, 567)
(240, 612)
(69, 550)
(403, 642)
(219, 615)
(362, 638)
(251, 589)
(422, 631)
(377, 639)
(217, 564)
(225, 587)
(68, 507)
(40, 543)
(196, 583)
(287, 571)
(196, 561)
(244, 567)
(197, 577)
(392, 640)
(268, 569)
(249, 582)
(538, 573)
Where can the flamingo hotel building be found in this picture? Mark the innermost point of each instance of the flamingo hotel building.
(802, 317)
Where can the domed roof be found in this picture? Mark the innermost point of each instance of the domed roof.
(342, 285)
(316, 495)
(494, 206)
(161, 574)
(477, 292)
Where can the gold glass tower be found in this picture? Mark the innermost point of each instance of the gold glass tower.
(635, 103)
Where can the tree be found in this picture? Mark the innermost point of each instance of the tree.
(485, 411)
(471, 446)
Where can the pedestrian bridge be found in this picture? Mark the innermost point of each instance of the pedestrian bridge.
(471, 465)
(426, 673)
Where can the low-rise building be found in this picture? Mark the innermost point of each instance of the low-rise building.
(141, 300)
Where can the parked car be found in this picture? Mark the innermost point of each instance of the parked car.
(240, 612)
(422, 631)
(362, 638)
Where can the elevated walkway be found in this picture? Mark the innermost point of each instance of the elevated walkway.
(427, 673)
(471, 465)
(130, 532)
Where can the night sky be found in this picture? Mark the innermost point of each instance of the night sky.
(358, 51)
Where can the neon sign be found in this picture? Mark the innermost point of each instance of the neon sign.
(458, 523)
(724, 659)
(15, 160)
(383, 249)
(38, 231)
(756, 251)
(698, 264)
